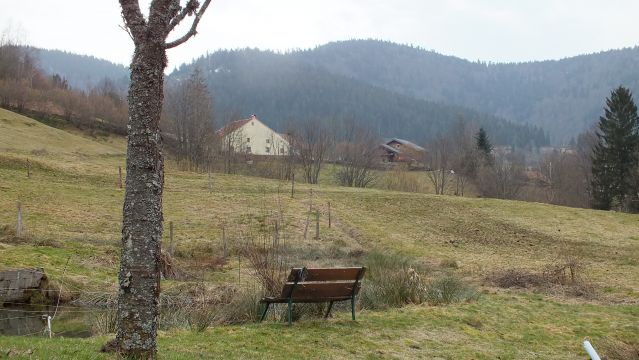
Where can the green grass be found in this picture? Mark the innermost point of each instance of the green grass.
(502, 326)
(72, 214)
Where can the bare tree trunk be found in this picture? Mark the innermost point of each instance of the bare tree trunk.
(139, 276)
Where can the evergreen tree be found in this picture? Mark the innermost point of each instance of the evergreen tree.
(483, 143)
(614, 158)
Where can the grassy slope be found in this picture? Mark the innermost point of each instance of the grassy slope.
(73, 209)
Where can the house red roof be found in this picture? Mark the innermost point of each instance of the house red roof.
(234, 125)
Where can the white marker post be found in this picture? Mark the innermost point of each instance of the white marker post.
(591, 351)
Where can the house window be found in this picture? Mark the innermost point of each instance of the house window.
(268, 149)
(248, 149)
(268, 141)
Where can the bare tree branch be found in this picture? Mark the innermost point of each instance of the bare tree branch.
(133, 18)
(126, 29)
(193, 29)
(189, 9)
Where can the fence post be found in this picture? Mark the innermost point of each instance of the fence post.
(171, 243)
(225, 249)
(210, 182)
(19, 220)
(308, 215)
(292, 185)
(28, 169)
(49, 326)
(120, 176)
(317, 223)
(329, 214)
(276, 235)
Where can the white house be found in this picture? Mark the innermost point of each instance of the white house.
(251, 136)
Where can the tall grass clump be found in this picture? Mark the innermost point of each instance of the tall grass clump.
(449, 289)
(391, 280)
(394, 280)
(103, 322)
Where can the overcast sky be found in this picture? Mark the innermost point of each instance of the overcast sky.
(489, 30)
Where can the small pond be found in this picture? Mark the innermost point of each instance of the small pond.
(69, 321)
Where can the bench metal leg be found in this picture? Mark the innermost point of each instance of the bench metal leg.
(328, 312)
(290, 312)
(353, 306)
(264, 313)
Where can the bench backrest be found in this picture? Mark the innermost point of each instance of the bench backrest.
(323, 283)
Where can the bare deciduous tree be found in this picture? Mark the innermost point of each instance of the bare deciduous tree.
(311, 143)
(502, 179)
(439, 161)
(357, 154)
(562, 180)
(464, 156)
(139, 275)
(230, 143)
(189, 111)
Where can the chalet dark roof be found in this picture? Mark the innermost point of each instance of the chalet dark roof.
(407, 143)
(234, 125)
(390, 148)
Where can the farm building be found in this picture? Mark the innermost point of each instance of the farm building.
(402, 151)
(252, 136)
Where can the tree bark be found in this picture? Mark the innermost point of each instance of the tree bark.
(139, 276)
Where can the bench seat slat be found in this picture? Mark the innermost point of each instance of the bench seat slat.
(320, 290)
(281, 300)
(329, 274)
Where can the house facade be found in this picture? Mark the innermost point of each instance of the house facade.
(402, 151)
(252, 136)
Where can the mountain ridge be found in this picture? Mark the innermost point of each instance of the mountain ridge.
(562, 96)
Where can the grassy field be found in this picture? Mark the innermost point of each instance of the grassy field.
(72, 209)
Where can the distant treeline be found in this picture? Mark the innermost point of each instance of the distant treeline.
(564, 97)
(284, 91)
(25, 87)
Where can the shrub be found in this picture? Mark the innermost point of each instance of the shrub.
(449, 289)
(201, 317)
(563, 277)
(243, 307)
(391, 281)
(103, 322)
(449, 263)
(619, 350)
(517, 278)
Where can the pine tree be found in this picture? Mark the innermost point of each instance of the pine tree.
(483, 143)
(614, 159)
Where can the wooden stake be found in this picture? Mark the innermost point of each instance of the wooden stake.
(120, 176)
(276, 235)
(210, 183)
(308, 215)
(28, 169)
(329, 214)
(317, 228)
(19, 221)
(171, 243)
(225, 251)
(292, 185)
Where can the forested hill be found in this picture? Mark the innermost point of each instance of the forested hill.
(564, 96)
(81, 71)
(282, 89)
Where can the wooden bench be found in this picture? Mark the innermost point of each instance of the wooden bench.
(318, 285)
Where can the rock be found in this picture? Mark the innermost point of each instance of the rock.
(21, 285)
